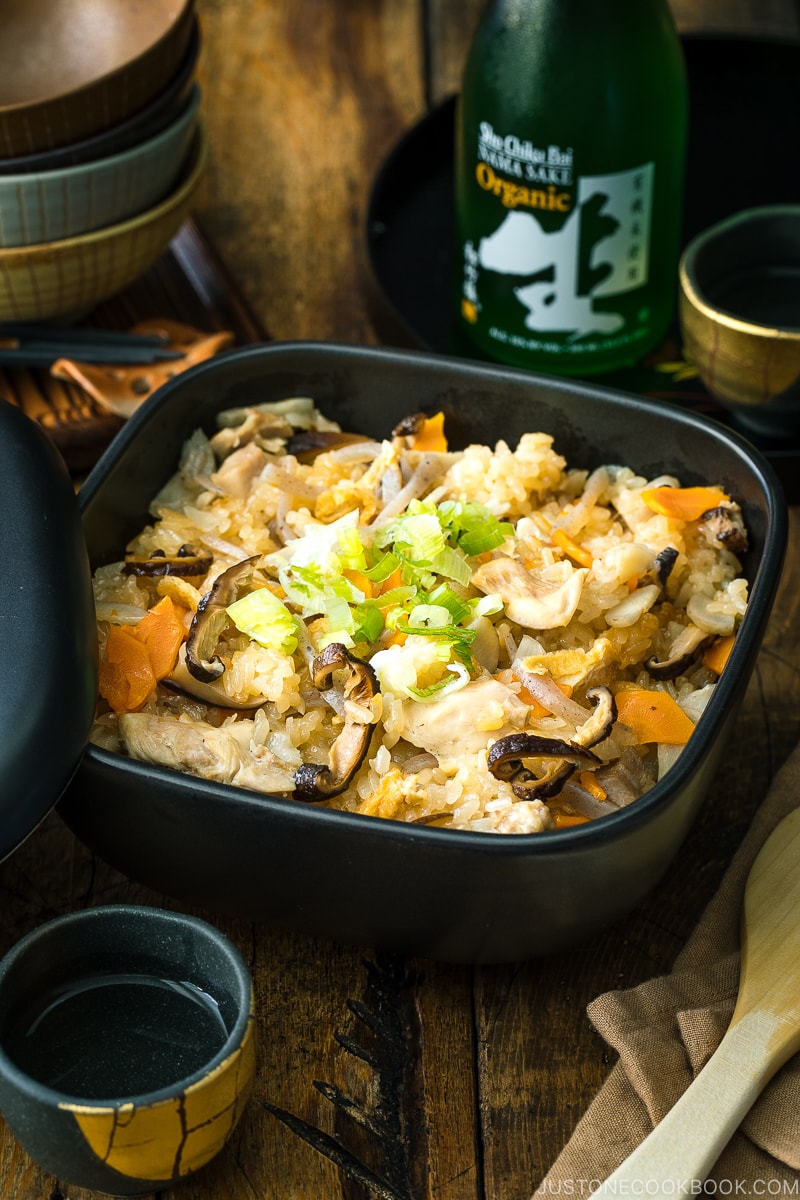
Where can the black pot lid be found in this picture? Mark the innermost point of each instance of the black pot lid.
(48, 667)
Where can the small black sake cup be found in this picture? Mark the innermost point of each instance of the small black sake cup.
(126, 1046)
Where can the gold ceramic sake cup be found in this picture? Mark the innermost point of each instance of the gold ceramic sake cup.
(740, 316)
(126, 1046)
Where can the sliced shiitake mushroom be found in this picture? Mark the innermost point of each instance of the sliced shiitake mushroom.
(683, 652)
(724, 524)
(210, 692)
(315, 781)
(506, 757)
(308, 443)
(211, 619)
(599, 725)
(663, 564)
(410, 426)
(187, 562)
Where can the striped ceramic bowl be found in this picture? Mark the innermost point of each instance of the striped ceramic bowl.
(68, 277)
(47, 206)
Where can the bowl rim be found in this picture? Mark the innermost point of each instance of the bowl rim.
(551, 842)
(25, 108)
(693, 294)
(13, 256)
(36, 180)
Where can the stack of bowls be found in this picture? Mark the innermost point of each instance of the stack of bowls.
(101, 147)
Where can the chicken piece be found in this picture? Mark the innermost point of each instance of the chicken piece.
(222, 754)
(254, 424)
(571, 667)
(236, 475)
(464, 721)
(533, 599)
(394, 791)
(525, 816)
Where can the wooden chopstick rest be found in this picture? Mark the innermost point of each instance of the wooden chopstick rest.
(120, 389)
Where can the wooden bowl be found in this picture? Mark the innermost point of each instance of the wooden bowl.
(145, 123)
(69, 69)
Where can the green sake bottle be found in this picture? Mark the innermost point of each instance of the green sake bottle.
(569, 171)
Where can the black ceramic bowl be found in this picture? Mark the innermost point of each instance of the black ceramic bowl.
(433, 892)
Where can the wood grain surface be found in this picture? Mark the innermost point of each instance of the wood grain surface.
(382, 1077)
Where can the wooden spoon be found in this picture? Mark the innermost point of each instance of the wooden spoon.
(764, 1032)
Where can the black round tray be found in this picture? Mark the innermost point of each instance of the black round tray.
(744, 125)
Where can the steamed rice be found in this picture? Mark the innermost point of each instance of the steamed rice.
(614, 586)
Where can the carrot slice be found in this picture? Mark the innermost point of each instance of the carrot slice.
(161, 632)
(126, 674)
(653, 716)
(360, 580)
(718, 653)
(137, 657)
(587, 780)
(686, 504)
(431, 436)
(397, 638)
(572, 548)
(395, 580)
(568, 820)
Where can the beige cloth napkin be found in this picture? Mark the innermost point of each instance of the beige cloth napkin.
(666, 1029)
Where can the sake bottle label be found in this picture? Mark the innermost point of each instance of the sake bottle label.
(569, 248)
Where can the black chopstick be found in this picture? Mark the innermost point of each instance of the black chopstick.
(69, 334)
(120, 355)
(31, 345)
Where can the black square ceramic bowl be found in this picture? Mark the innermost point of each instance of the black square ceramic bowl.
(433, 892)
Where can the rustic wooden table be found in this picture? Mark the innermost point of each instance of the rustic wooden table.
(481, 1073)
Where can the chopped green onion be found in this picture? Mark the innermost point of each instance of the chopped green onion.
(473, 527)
(383, 568)
(424, 539)
(417, 535)
(335, 635)
(474, 544)
(417, 575)
(449, 633)
(340, 618)
(429, 616)
(486, 606)
(395, 596)
(452, 565)
(458, 608)
(444, 686)
(369, 623)
(350, 550)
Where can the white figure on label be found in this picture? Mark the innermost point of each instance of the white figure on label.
(617, 210)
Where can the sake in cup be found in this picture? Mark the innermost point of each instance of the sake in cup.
(126, 1046)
